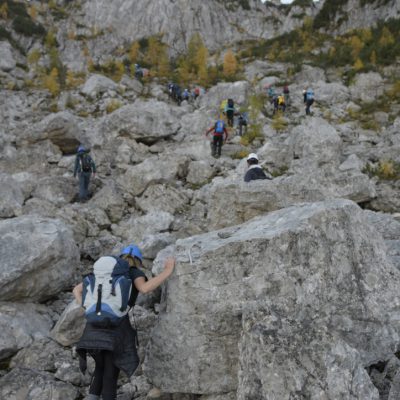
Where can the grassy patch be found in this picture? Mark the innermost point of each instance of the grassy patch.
(279, 171)
(239, 155)
(279, 124)
(384, 170)
(113, 105)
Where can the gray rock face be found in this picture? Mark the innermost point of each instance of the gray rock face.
(133, 20)
(97, 85)
(145, 121)
(57, 190)
(153, 171)
(7, 60)
(21, 324)
(62, 129)
(162, 197)
(237, 91)
(367, 87)
(11, 196)
(24, 383)
(39, 257)
(288, 289)
(135, 228)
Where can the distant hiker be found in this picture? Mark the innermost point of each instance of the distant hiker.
(230, 111)
(242, 123)
(220, 131)
(186, 95)
(271, 93)
(84, 167)
(222, 106)
(254, 171)
(286, 94)
(275, 104)
(309, 100)
(138, 72)
(281, 103)
(107, 295)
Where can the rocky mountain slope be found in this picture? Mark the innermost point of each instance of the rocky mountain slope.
(284, 289)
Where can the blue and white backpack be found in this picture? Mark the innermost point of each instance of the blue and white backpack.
(219, 127)
(106, 292)
(310, 94)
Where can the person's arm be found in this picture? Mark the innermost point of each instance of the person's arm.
(145, 287)
(93, 165)
(77, 292)
(209, 130)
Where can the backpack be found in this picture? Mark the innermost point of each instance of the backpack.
(281, 100)
(86, 163)
(219, 127)
(230, 103)
(106, 292)
(310, 94)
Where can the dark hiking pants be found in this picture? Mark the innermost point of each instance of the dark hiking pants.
(105, 376)
(308, 106)
(84, 180)
(217, 145)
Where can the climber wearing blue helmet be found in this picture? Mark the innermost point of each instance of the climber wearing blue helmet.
(116, 351)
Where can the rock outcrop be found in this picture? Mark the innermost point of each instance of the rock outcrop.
(296, 302)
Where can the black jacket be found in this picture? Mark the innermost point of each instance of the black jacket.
(253, 173)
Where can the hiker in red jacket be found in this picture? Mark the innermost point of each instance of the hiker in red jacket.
(219, 129)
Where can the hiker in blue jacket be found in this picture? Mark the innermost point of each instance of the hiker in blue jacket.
(113, 348)
(84, 167)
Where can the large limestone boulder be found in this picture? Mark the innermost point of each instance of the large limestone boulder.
(11, 196)
(331, 93)
(57, 190)
(25, 383)
(62, 129)
(297, 301)
(367, 87)
(238, 91)
(200, 172)
(21, 324)
(153, 171)
(229, 202)
(145, 121)
(163, 197)
(7, 60)
(39, 257)
(97, 85)
(135, 228)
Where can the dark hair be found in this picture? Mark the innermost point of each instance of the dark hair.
(252, 161)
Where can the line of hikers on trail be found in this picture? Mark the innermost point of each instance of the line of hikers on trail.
(178, 95)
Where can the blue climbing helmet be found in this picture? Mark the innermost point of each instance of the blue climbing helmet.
(133, 251)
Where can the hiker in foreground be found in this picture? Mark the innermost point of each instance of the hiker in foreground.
(107, 296)
(84, 167)
(254, 171)
(218, 137)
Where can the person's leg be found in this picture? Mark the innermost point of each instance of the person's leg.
(110, 377)
(96, 385)
(219, 144)
(214, 145)
(82, 191)
(87, 181)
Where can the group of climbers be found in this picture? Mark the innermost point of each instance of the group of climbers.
(178, 95)
(279, 101)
